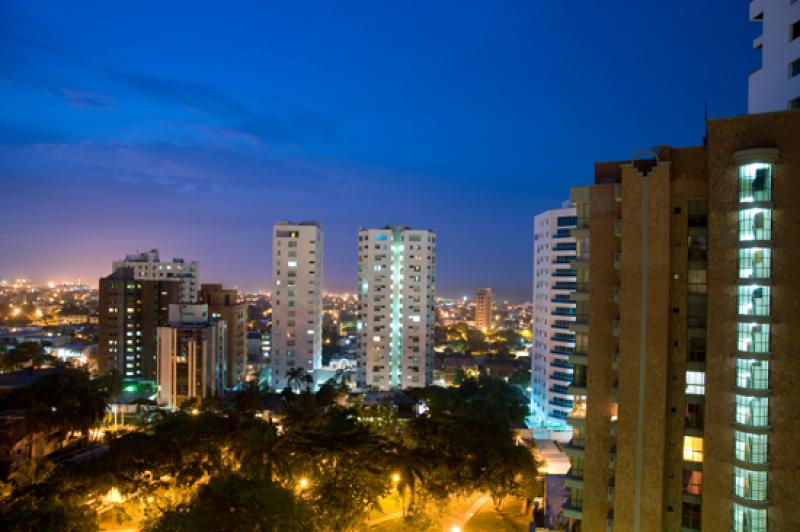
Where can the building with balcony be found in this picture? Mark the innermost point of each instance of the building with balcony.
(296, 300)
(775, 86)
(228, 306)
(191, 355)
(553, 315)
(688, 381)
(396, 300)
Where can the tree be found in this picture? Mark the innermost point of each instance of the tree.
(295, 377)
(233, 502)
(33, 352)
(30, 472)
(261, 453)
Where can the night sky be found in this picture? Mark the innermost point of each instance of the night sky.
(192, 127)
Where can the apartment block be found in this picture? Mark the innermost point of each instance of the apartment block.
(296, 300)
(397, 291)
(775, 86)
(149, 267)
(225, 304)
(130, 312)
(191, 355)
(483, 309)
(684, 374)
(553, 314)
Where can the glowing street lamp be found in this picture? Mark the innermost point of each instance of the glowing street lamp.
(303, 483)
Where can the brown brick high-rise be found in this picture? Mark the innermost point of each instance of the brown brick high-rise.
(224, 304)
(685, 370)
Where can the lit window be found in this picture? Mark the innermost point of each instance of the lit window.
(754, 263)
(755, 224)
(752, 411)
(753, 300)
(376, 338)
(292, 264)
(752, 374)
(751, 485)
(695, 382)
(747, 519)
(753, 337)
(755, 182)
(692, 449)
(750, 448)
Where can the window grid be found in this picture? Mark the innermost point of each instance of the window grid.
(755, 224)
(753, 300)
(752, 374)
(755, 263)
(753, 337)
(749, 519)
(750, 448)
(755, 182)
(751, 485)
(752, 411)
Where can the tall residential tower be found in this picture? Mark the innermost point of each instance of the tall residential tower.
(148, 267)
(397, 291)
(684, 336)
(296, 300)
(775, 86)
(553, 314)
(483, 309)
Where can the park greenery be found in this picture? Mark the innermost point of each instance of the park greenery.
(324, 464)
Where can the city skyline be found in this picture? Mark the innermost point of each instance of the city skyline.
(207, 156)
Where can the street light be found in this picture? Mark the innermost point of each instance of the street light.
(303, 483)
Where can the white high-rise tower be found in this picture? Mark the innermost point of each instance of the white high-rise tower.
(149, 267)
(396, 291)
(775, 86)
(553, 311)
(296, 300)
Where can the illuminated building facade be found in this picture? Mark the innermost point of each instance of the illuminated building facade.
(775, 85)
(130, 312)
(397, 291)
(148, 267)
(483, 309)
(296, 300)
(191, 355)
(226, 305)
(552, 315)
(689, 367)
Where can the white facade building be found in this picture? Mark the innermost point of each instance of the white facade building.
(191, 355)
(296, 300)
(148, 267)
(553, 310)
(776, 85)
(396, 295)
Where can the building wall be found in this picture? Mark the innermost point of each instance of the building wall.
(397, 290)
(296, 300)
(726, 138)
(149, 267)
(134, 354)
(552, 312)
(483, 309)
(771, 87)
(224, 304)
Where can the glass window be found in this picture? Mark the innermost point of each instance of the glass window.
(691, 515)
(749, 519)
(750, 485)
(752, 374)
(695, 382)
(755, 224)
(693, 448)
(698, 281)
(753, 300)
(753, 337)
(755, 182)
(752, 411)
(750, 448)
(693, 482)
(755, 263)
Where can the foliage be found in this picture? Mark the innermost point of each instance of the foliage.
(233, 502)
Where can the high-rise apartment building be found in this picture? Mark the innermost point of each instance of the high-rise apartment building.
(396, 291)
(296, 300)
(191, 355)
(226, 305)
(776, 85)
(483, 309)
(148, 267)
(684, 351)
(552, 314)
(130, 312)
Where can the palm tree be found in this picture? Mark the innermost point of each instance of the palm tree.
(295, 377)
(261, 452)
(410, 469)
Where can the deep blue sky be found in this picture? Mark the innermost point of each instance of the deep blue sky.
(193, 127)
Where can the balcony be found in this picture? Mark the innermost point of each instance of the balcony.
(612, 458)
(581, 292)
(573, 480)
(562, 377)
(563, 285)
(581, 323)
(561, 403)
(560, 363)
(577, 389)
(558, 350)
(563, 259)
(574, 449)
(611, 486)
(578, 358)
(615, 360)
(572, 512)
